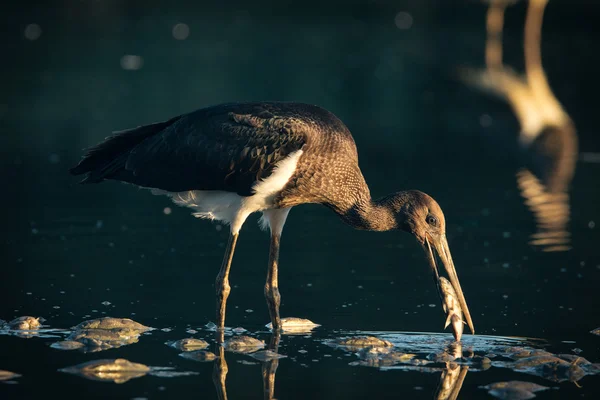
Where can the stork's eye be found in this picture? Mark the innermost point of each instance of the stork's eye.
(431, 220)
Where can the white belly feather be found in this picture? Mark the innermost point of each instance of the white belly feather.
(232, 208)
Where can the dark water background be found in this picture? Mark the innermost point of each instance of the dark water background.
(67, 248)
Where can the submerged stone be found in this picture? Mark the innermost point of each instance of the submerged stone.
(188, 344)
(525, 353)
(295, 325)
(359, 342)
(243, 344)
(559, 372)
(112, 323)
(538, 360)
(25, 323)
(117, 371)
(511, 394)
(574, 359)
(199, 355)
(521, 385)
(266, 355)
(440, 357)
(67, 345)
(103, 339)
(383, 356)
(8, 375)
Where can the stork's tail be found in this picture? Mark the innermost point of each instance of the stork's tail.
(105, 159)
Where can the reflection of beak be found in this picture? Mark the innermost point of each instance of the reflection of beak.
(441, 248)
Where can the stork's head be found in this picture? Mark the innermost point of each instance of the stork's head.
(420, 215)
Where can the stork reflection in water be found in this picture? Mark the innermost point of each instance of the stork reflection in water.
(231, 160)
(548, 139)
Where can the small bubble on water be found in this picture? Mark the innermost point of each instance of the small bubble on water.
(219, 228)
(506, 235)
(505, 265)
(309, 285)
(485, 120)
(167, 210)
(180, 31)
(249, 310)
(131, 62)
(99, 224)
(563, 270)
(28, 293)
(591, 224)
(359, 287)
(166, 329)
(577, 350)
(111, 244)
(303, 351)
(34, 231)
(505, 296)
(432, 305)
(418, 387)
(192, 331)
(62, 292)
(106, 303)
(32, 32)
(403, 20)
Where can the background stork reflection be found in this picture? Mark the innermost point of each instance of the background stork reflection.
(548, 140)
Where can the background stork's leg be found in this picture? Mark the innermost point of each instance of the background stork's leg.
(272, 286)
(222, 282)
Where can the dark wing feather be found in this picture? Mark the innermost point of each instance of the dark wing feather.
(227, 147)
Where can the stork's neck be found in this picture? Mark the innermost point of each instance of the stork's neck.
(371, 215)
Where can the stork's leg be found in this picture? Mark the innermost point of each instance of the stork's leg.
(222, 282)
(276, 219)
(272, 286)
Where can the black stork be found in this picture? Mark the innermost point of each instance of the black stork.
(230, 160)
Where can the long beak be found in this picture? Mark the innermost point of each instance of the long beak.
(440, 244)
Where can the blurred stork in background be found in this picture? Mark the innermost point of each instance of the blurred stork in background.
(547, 138)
